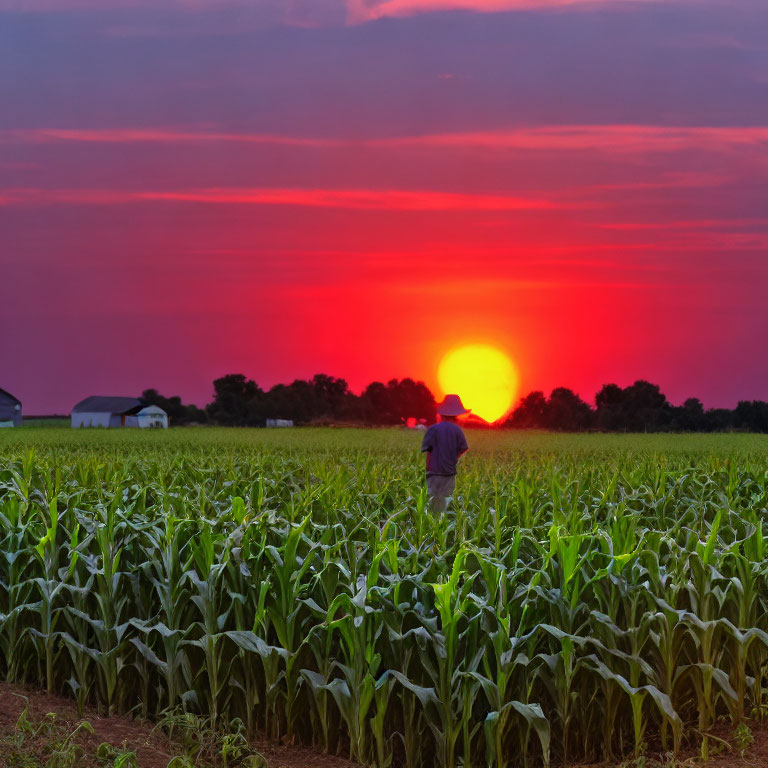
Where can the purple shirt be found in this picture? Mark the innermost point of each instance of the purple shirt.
(445, 442)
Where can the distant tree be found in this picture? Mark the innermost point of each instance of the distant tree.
(694, 406)
(376, 406)
(609, 403)
(239, 401)
(690, 416)
(530, 412)
(411, 399)
(641, 407)
(397, 401)
(645, 407)
(563, 410)
(719, 420)
(333, 400)
(295, 401)
(751, 416)
(567, 412)
(178, 413)
(234, 399)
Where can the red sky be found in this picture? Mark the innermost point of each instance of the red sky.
(189, 189)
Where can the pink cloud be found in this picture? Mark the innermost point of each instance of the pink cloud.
(357, 199)
(360, 11)
(695, 224)
(677, 180)
(303, 12)
(154, 136)
(606, 138)
(625, 138)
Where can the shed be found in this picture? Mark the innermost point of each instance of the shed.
(279, 422)
(151, 417)
(99, 411)
(10, 410)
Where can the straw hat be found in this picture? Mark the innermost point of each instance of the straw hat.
(452, 406)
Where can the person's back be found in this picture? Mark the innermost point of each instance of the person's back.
(443, 444)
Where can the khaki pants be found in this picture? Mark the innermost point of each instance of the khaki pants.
(440, 489)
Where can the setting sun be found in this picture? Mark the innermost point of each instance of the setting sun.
(483, 376)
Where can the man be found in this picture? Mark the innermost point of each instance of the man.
(443, 443)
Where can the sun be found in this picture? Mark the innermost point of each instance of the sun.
(483, 376)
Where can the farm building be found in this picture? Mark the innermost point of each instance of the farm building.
(151, 417)
(100, 411)
(10, 410)
(280, 423)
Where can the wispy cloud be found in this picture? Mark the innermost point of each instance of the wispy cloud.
(360, 11)
(676, 180)
(626, 138)
(155, 136)
(357, 199)
(692, 224)
(709, 41)
(605, 138)
(303, 12)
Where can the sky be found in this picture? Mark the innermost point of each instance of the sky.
(190, 188)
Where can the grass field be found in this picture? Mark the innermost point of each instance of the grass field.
(586, 596)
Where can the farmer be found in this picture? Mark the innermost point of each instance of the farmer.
(443, 443)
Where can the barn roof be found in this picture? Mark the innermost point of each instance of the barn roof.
(9, 396)
(100, 404)
(153, 409)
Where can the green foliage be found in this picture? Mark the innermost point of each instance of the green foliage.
(44, 744)
(743, 737)
(202, 743)
(115, 757)
(583, 596)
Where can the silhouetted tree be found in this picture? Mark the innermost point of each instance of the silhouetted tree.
(640, 407)
(718, 420)
(397, 401)
(178, 413)
(530, 412)
(296, 401)
(645, 407)
(376, 406)
(332, 397)
(323, 398)
(239, 401)
(233, 400)
(689, 417)
(609, 402)
(566, 411)
(751, 415)
(411, 398)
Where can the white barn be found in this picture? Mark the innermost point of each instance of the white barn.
(98, 411)
(151, 417)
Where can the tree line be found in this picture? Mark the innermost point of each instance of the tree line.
(640, 407)
(240, 402)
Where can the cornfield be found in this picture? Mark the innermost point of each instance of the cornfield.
(582, 598)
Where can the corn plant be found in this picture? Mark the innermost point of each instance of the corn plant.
(582, 596)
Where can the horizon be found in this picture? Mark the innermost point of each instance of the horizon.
(519, 397)
(362, 186)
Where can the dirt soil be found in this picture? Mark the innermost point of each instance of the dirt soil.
(153, 749)
(723, 752)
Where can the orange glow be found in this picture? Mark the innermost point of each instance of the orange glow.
(483, 376)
